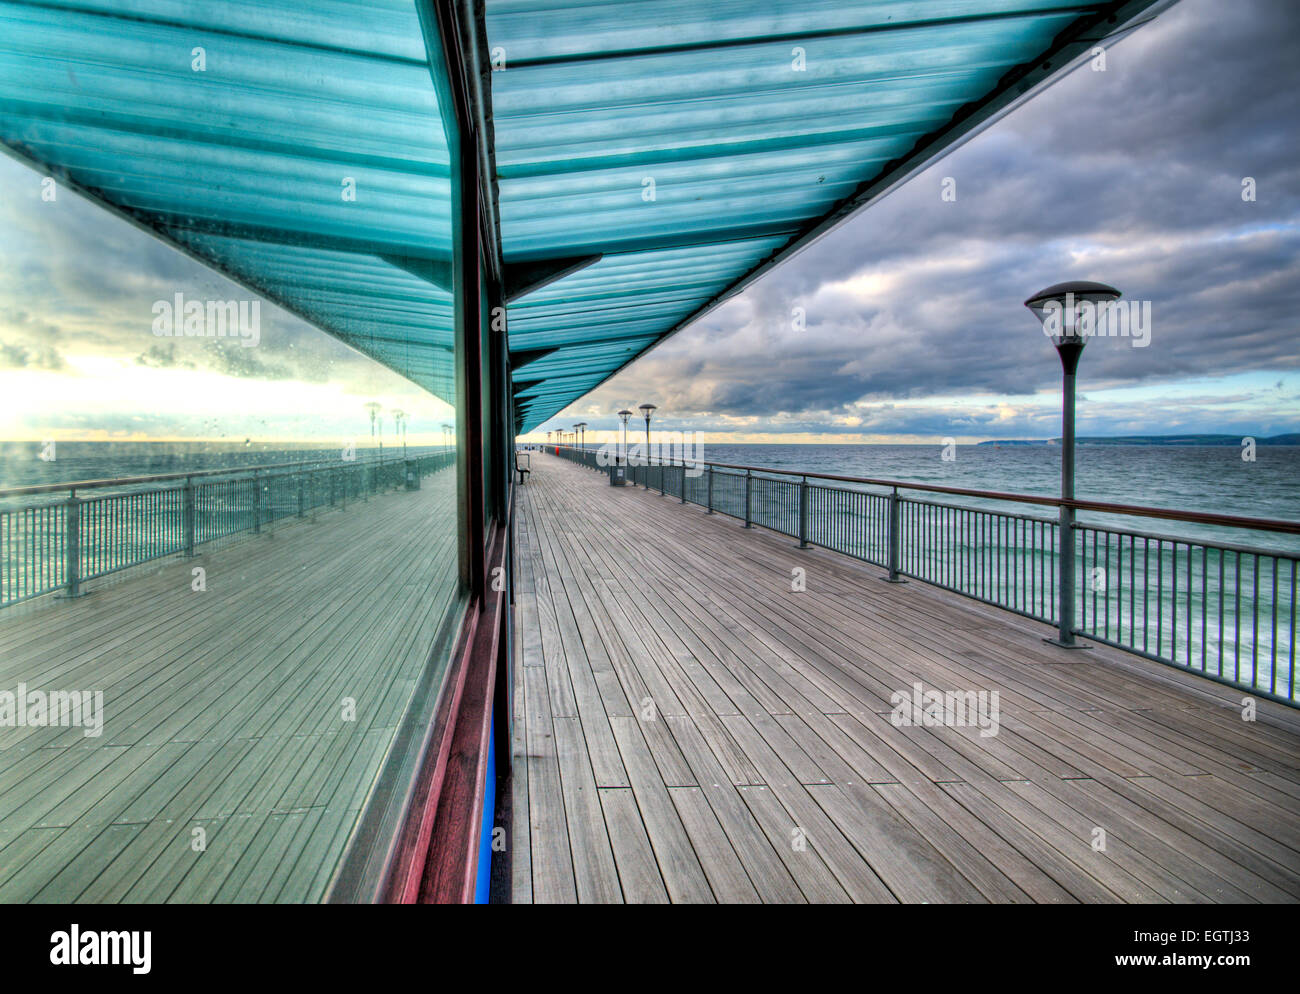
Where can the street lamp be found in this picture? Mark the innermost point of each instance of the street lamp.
(581, 426)
(374, 407)
(625, 414)
(399, 416)
(647, 410)
(1069, 313)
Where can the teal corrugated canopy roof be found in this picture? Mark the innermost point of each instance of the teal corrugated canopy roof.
(243, 164)
(691, 145)
(651, 157)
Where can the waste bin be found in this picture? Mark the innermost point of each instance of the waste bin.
(617, 474)
(412, 477)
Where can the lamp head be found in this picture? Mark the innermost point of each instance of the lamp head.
(1070, 312)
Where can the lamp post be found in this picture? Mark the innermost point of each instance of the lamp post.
(624, 414)
(1069, 313)
(399, 417)
(647, 410)
(374, 407)
(581, 427)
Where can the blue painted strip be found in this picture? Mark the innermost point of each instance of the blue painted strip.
(483, 880)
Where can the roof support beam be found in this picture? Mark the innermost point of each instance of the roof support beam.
(520, 278)
(435, 271)
(519, 358)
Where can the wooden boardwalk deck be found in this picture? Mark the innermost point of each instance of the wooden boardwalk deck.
(223, 709)
(689, 728)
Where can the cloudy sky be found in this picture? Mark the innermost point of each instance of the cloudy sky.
(1131, 175)
(79, 359)
(914, 325)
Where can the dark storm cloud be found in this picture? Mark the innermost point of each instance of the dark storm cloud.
(1132, 176)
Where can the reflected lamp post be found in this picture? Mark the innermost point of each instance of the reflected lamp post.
(1069, 312)
(373, 407)
(399, 418)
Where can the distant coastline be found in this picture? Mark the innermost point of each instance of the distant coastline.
(1292, 438)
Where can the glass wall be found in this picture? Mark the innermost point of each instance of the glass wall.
(221, 649)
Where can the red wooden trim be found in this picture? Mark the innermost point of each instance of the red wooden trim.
(451, 868)
(406, 866)
(436, 860)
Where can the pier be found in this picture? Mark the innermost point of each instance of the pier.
(689, 728)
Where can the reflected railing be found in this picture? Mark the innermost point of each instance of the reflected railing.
(53, 538)
(1206, 603)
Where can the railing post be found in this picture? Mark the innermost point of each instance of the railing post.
(683, 481)
(334, 475)
(189, 524)
(257, 503)
(72, 525)
(300, 496)
(895, 536)
(803, 513)
(710, 505)
(1065, 581)
(749, 492)
(663, 483)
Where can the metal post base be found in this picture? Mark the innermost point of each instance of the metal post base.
(893, 579)
(1066, 645)
(63, 595)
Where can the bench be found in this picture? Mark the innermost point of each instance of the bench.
(522, 468)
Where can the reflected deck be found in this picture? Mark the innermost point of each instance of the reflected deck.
(689, 728)
(223, 709)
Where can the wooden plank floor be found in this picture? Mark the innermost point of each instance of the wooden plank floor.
(223, 709)
(689, 728)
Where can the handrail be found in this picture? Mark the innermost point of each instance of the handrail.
(1102, 507)
(1223, 610)
(126, 481)
(59, 544)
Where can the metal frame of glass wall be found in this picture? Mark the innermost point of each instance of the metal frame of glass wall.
(431, 851)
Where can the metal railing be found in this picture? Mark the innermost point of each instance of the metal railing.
(1220, 609)
(68, 539)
